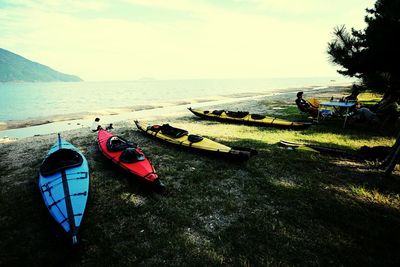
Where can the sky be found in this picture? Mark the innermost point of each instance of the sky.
(179, 39)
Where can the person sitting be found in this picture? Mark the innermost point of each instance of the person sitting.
(96, 125)
(384, 111)
(354, 93)
(306, 106)
(353, 97)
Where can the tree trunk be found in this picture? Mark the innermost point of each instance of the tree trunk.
(391, 160)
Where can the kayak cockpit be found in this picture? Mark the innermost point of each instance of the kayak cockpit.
(60, 160)
(116, 143)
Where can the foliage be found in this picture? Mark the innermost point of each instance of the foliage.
(371, 54)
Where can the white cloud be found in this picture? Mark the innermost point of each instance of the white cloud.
(221, 43)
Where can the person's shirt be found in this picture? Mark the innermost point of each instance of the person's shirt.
(95, 126)
(302, 104)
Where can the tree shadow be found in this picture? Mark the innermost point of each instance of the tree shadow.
(320, 220)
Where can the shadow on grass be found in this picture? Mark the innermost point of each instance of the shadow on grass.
(264, 212)
(307, 214)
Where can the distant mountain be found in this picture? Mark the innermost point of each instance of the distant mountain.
(16, 68)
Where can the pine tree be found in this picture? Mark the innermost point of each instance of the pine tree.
(372, 54)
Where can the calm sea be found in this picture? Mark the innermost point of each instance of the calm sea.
(20, 101)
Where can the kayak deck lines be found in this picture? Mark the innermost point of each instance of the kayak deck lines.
(59, 183)
(64, 186)
(65, 198)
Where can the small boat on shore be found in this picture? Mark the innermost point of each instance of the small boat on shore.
(64, 186)
(182, 138)
(128, 156)
(244, 117)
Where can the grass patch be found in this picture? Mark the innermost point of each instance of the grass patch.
(281, 207)
(369, 97)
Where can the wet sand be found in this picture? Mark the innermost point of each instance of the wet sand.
(16, 124)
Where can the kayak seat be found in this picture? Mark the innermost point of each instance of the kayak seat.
(218, 112)
(60, 160)
(116, 143)
(257, 117)
(237, 114)
(155, 128)
(206, 111)
(194, 138)
(172, 131)
(131, 155)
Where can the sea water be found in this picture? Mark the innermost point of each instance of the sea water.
(20, 101)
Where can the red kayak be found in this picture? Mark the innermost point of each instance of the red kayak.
(129, 156)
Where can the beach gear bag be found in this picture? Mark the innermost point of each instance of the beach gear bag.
(325, 113)
(131, 155)
(116, 143)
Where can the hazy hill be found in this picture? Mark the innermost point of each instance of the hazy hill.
(16, 68)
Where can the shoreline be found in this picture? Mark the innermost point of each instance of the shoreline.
(13, 130)
(29, 122)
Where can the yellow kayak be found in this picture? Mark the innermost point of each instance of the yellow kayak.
(182, 138)
(249, 119)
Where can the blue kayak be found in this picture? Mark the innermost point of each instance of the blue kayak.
(64, 185)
